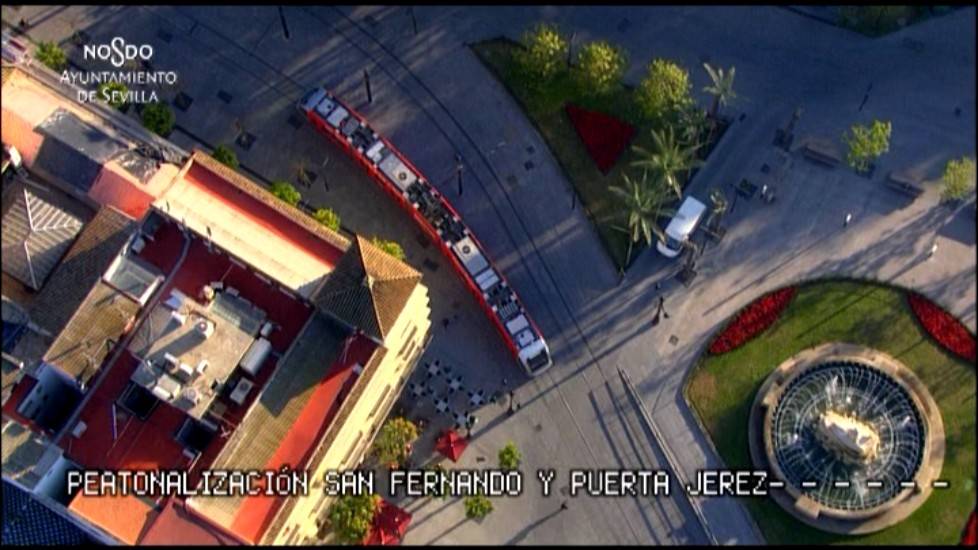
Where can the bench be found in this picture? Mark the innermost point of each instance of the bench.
(822, 153)
(904, 184)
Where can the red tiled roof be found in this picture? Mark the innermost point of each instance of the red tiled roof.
(178, 525)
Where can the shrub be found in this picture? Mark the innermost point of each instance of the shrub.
(328, 218)
(390, 247)
(351, 517)
(393, 442)
(665, 91)
(158, 118)
(867, 143)
(226, 156)
(600, 67)
(286, 191)
(544, 53)
(958, 179)
(477, 507)
(51, 55)
(509, 457)
(113, 93)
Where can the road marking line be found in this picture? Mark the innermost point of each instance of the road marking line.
(841, 483)
(874, 484)
(908, 484)
(809, 484)
(941, 484)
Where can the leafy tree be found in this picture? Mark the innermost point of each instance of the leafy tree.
(392, 445)
(158, 118)
(721, 88)
(51, 55)
(390, 247)
(874, 20)
(867, 143)
(477, 506)
(226, 156)
(641, 205)
(668, 159)
(600, 67)
(543, 54)
(959, 179)
(113, 93)
(286, 191)
(509, 457)
(664, 93)
(442, 492)
(327, 217)
(351, 516)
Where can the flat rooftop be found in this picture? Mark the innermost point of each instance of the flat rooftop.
(252, 225)
(182, 331)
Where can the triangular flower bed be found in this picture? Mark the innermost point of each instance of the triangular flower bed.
(604, 136)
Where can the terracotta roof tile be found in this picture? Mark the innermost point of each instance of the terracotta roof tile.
(99, 242)
(258, 192)
(368, 289)
(83, 345)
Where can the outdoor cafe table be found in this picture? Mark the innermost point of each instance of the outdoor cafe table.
(461, 419)
(476, 398)
(441, 404)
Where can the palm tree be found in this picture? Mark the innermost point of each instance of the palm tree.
(641, 205)
(669, 158)
(721, 88)
(718, 207)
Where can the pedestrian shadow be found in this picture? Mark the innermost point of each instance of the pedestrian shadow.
(523, 533)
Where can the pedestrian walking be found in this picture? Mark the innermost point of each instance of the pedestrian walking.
(444, 322)
(933, 250)
(847, 220)
(563, 506)
(512, 401)
(662, 308)
(764, 191)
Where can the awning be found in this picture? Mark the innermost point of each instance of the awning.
(389, 525)
(451, 445)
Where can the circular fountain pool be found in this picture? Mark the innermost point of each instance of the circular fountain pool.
(854, 435)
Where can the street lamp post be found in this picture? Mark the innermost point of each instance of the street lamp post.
(366, 83)
(458, 172)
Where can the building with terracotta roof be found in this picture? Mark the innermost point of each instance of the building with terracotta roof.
(223, 330)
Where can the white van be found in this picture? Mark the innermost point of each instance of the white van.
(681, 227)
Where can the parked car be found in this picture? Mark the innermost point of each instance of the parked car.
(681, 227)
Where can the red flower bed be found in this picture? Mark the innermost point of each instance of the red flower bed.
(752, 320)
(604, 136)
(970, 537)
(943, 327)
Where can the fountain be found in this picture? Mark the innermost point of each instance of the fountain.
(847, 429)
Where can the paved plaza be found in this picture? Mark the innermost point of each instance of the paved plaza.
(433, 99)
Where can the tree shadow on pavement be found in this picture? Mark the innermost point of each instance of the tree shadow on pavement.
(523, 533)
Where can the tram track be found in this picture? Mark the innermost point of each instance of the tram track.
(405, 69)
(390, 64)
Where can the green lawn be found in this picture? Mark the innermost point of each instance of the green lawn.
(722, 388)
(545, 108)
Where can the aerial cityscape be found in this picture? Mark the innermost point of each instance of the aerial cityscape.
(489, 275)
